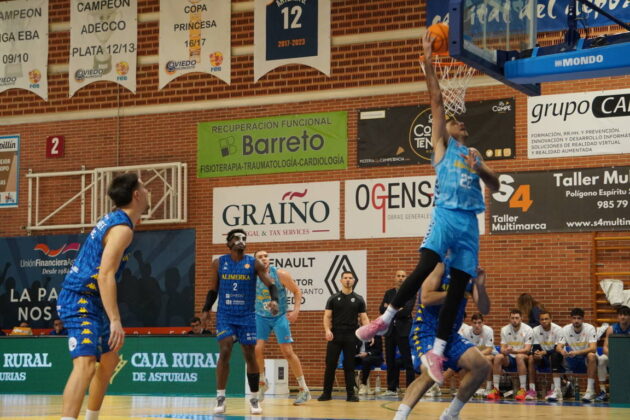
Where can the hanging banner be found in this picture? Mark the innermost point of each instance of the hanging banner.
(391, 207)
(103, 43)
(291, 32)
(9, 170)
(24, 46)
(578, 124)
(402, 135)
(194, 37)
(277, 213)
(571, 200)
(269, 145)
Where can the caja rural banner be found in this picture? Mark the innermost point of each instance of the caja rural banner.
(9, 170)
(277, 213)
(24, 46)
(103, 43)
(288, 143)
(194, 37)
(391, 207)
(402, 135)
(156, 288)
(317, 274)
(572, 200)
(578, 124)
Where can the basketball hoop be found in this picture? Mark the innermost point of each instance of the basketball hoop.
(453, 77)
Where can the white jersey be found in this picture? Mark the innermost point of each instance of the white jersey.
(578, 341)
(483, 340)
(463, 330)
(517, 339)
(547, 339)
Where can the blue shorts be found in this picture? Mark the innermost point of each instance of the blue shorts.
(278, 324)
(457, 231)
(544, 364)
(87, 323)
(456, 346)
(511, 366)
(243, 332)
(576, 364)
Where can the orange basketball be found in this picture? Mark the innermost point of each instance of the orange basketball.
(439, 31)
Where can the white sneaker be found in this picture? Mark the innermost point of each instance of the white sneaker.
(362, 389)
(554, 396)
(446, 416)
(480, 393)
(219, 408)
(434, 391)
(262, 388)
(254, 406)
(588, 396)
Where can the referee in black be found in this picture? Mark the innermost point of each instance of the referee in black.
(341, 319)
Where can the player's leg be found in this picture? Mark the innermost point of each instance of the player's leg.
(500, 361)
(333, 350)
(405, 354)
(304, 395)
(521, 368)
(556, 360)
(246, 335)
(490, 359)
(591, 373)
(225, 337)
(414, 392)
(100, 382)
(390, 360)
(263, 330)
(83, 368)
(349, 347)
(602, 373)
(532, 363)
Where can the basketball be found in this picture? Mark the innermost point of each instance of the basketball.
(440, 32)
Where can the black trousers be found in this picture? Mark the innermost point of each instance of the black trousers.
(367, 364)
(343, 341)
(393, 372)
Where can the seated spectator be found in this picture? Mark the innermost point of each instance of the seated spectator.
(622, 326)
(196, 328)
(482, 336)
(465, 328)
(58, 328)
(23, 329)
(546, 337)
(516, 343)
(369, 356)
(530, 308)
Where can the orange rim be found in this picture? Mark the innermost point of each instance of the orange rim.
(451, 63)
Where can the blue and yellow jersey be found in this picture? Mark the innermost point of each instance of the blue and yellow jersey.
(457, 186)
(83, 274)
(237, 286)
(263, 298)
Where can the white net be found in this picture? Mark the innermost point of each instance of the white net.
(453, 77)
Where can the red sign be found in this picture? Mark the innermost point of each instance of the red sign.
(54, 146)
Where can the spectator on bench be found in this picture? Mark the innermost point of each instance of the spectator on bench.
(622, 326)
(58, 328)
(369, 356)
(546, 337)
(482, 336)
(196, 328)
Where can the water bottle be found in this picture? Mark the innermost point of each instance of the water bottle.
(576, 389)
(377, 387)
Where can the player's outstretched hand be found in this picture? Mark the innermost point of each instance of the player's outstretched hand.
(116, 336)
(480, 280)
(273, 307)
(427, 45)
(292, 316)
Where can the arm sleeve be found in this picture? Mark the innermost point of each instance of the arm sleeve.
(211, 297)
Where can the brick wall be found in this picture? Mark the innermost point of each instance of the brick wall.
(555, 268)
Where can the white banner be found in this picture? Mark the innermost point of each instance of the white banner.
(24, 46)
(103, 43)
(317, 274)
(277, 213)
(291, 32)
(578, 124)
(194, 37)
(391, 207)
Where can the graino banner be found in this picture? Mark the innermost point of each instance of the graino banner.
(289, 143)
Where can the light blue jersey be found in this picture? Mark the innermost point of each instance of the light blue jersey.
(263, 297)
(457, 186)
(237, 289)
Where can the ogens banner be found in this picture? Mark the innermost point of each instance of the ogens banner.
(288, 143)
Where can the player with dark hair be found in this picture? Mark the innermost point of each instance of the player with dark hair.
(622, 326)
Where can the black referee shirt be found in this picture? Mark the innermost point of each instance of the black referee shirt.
(345, 311)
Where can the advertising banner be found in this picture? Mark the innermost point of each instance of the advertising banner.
(103, 43)
(156, 287)
(268, 145)
(578, 124)
(402, 135)
(24, 46)
(194, 37)
(9, 170)
(149, 365)
(572, 200)
(390, 207)
(277, 213)
(291, 32)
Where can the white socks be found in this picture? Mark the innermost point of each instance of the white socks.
(91, 415)
(496, 379)
(68, 418)
(220, 393)
(556, 384)
(389, 314)
(523, 380)
(532, 387)
(403, 411)
(455, 407)
(489, 385)
(438, 346)
(590, 385)
(302, 383)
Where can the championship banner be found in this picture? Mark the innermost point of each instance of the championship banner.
(269, 145)
(103, 43)
(277, 213)
(402, 135)
(156, 288)
(291, 32)
(24, 46)
(578, 124)
(573, 200)
(391, 207)
(9, 170)
(194, 37)
(317, 274)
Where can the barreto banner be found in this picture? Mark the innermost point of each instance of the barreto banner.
(291, 32)
(572, 200)
(277, 213)
(24, 46)
(402, 135)
(578, 124)
(194, 37)
(9, 170)
(103, 43)
(288, 143)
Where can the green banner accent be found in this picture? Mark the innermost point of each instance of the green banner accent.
(288, 143)
(150, 365)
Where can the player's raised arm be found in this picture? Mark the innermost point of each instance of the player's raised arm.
(289, 283)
